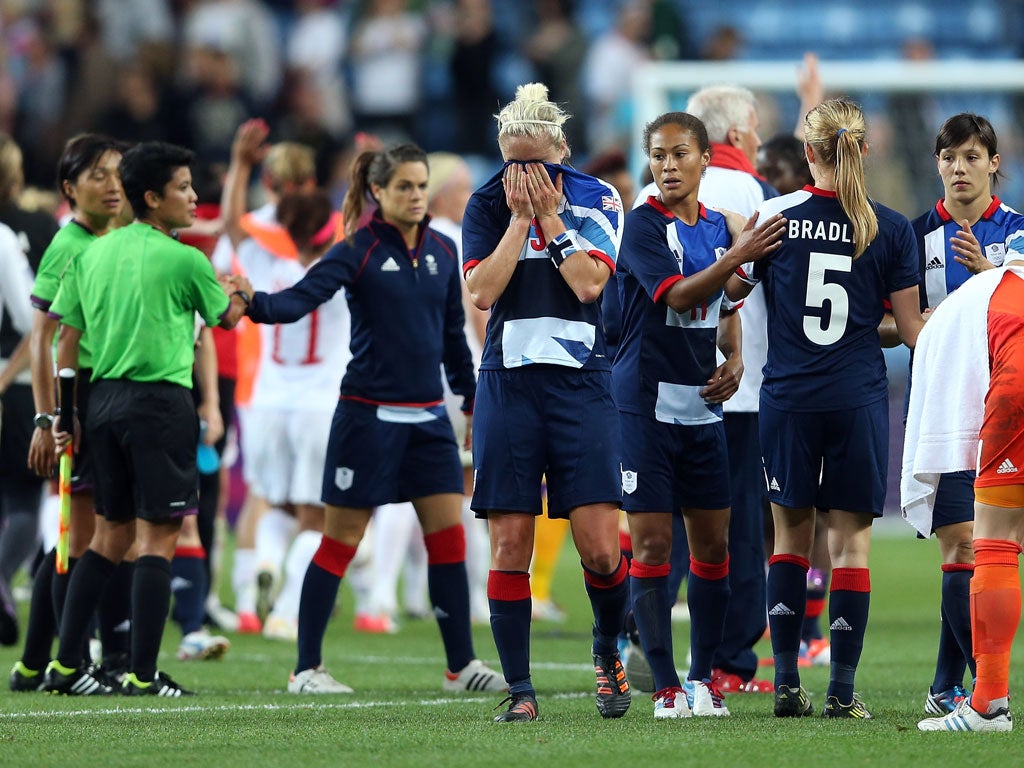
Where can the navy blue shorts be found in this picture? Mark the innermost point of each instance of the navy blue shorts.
(540, 421)
(954, 499)
(384, 454)
(827, 459)
(669, 467)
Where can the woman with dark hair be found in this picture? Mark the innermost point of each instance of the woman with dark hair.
(675, 259)
(390, 439)
(88, 178)
(966, 232)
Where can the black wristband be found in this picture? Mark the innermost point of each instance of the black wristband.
(561, 248)
(245, 296)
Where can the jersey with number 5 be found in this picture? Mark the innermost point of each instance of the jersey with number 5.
(824, 306)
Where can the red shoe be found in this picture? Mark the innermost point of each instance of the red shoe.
(249, 624)
(377, 625)
(727, 682)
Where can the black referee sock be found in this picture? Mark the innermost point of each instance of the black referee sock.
(83, 595)
(42, 622)
(115, 612)
(60, 589)
(151, 598)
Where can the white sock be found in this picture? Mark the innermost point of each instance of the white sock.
(299, 557)
(243, 580)
(393, 528)
(414, 575)
(478, 562)
(274, 534)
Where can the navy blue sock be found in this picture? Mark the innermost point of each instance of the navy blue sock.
(82, 595)
(652, 612)
(707, 595)
(848, 619)
(786, 591)
(955, 640)
(449, 594)
(817, 588)
(188, 569)
(508, 593)
(151, 599)
(609, 599)
(42, 623)
(319, 593)
(679, 559)
(114, 614)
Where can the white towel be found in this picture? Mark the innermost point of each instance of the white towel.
(947, 394)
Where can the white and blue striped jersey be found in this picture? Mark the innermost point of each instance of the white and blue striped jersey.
(999, 230)
(665, 358)
(538, 319)
(824, 306)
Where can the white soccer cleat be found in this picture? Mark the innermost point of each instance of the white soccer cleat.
(704, 699)
(201, 645)
(670, 704)
(316, 680)
(967, 718)
(280, 628)
(475, 676)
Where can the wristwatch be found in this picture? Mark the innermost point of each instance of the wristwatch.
(243, 296)
(43, 420)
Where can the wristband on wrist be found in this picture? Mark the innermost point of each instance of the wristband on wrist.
(244, 296)
(561, 248)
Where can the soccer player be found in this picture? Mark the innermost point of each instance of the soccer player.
(729, 114)
(137, 291)
(296, 388)
(971, 353)
(391, 439)
(823, 409)
(539, 243)
(968, 231)
(88, 179)
(675, 259)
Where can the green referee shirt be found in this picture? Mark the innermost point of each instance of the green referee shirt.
(70, 241)
(137, 291)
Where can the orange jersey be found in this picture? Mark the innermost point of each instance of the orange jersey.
(1001, 450)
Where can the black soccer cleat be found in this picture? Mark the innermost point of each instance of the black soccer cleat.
(521, 709)
(792, 702)
(162, 685)
(613, 695)
(23, 679)
(855, 709)
(84, 681)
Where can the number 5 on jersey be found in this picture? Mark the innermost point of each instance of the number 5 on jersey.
(828, 328)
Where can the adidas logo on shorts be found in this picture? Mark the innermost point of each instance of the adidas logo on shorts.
(774, 485)
(1006, 467)
(841, 625)
(781, 609)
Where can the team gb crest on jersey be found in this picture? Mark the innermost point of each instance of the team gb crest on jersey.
(628, 480)
(431, 263)
(343, 477)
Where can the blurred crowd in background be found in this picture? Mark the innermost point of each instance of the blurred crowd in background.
(324, 72)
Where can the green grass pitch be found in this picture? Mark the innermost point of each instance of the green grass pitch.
(400, 717)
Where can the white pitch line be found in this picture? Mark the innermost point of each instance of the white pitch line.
(304, 705)
(420, 660)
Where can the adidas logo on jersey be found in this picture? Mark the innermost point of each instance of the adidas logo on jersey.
(1006, 467)
(774, 485)
(840, 625)
(390, 265)
(781, 609)
(935, 263)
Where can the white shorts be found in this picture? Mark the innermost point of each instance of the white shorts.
(284, 453)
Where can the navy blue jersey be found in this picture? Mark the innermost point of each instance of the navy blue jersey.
(538, 318)
(407, 316)
(999, 230)
(665, 358)
(824, 307)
